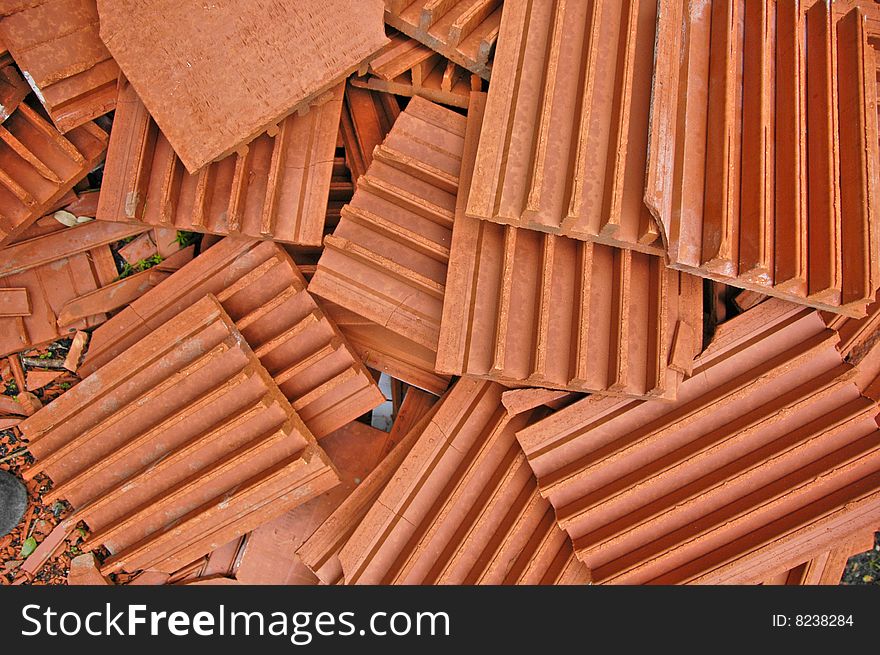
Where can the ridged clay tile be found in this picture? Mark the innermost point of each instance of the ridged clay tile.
(537, 309)
(214, 77)
(57, 46)
(366, 119)
(763, 157)
(13, 89)
(463, 31)
(826, 568)
(178, 445)
(260, 287)
(53, 269)
(39, 165)
(769, 456)
(564, 143)
(275, 187)
(386, 260)
(463, 507)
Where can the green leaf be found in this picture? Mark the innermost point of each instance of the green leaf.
(29, 546)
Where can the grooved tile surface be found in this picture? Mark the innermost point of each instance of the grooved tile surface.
(38, 165)
(463, 31)
(57, 46)
(387, 258)
(260, 287)
(276, 187)
(564, 144)
(366, 119)
(463, 507)
(539, 309)
(763, 158)
(769, 455)
(177, 446)
(827, 567)
(215, 76)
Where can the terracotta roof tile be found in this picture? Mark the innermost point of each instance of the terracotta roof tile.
(463, 31)
(768, 457)
(827, 567)
(13, 90)
(39, 165)
(543, 310)
(366, 119)
(721, 93)
(57, 46)
(276, 187)
(277, 57)
(463, 507)
(146, 447)
(563, 147)
(264, 293)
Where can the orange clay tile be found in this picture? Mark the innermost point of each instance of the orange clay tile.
(56, 45)
(386, 261)
(13, 90)
(769, 456)
(763, 157)
(214, 77)
(276, 187)
(564, 143)
(320, 550)
(407, 68)
(269, 556)
(264, 293)
(39, 165)
(463, 507)
(366, 119)
(531, 308)
(463, 31)
(827, 567)
(54, 268)
(176, 446)
(14, 302)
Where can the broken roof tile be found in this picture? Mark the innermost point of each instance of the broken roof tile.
(39, 165)
(716, 162)
(387, 258)
(57, 46)
(463, 507)
(827, 567)
(768, 456)
(215, 77)
(564, 143)
(463, 31)
(537, 309)
(13, 90)
(276, 187)
(367, 117)
(54, 269)
(261, 289)
(146, 447)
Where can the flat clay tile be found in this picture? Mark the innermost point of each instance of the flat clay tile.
(39, 165)
(408, 68)
(275, 187)
(54, 268)
(763, 157)
(57, 46)
(215, 76)
(462, 507)
(178, 445)
(463, 31)
(366, 119)
(387, 258)
(564, 143)
(261, 289)
(532, 308)
(769, 455)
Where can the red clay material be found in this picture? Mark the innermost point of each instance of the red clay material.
(462, 507)
(530, 308)
(39, 165)
(827, 567)
(13, 90)
(216, 76)
(264, 293)
(56, 45)
(763, 157)
(769, 456)
(564, 143)
(176, 446)
(276, 187)
(366, 119)
(463, 31)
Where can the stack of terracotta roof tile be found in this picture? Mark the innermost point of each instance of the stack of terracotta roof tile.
(499, 218)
